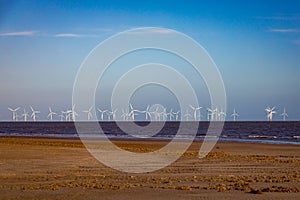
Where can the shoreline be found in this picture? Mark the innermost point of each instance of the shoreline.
(223, 140)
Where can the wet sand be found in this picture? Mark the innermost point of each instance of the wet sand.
(44, 168)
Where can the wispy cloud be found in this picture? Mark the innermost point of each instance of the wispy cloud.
(18, 33)
(284, 30)
(151, 31)
(74, 35)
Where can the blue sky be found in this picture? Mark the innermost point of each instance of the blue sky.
(256, 46)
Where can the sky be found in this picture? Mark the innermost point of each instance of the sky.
(254, 44)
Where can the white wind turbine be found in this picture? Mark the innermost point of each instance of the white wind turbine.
(270, 113)
(171, 115)
(176, 115)
(164, 114)
(147, 113)
(68, 115)
(234, 115)
(89, 113)
(25, 115)
(187, 115)
(132, 112)
(222, 115)
(125, 115)
(51, 113)
(17, 117)
(209, 114)
(62, 116)
(113, 114)
(195, 109)
(109, 114)
(65, 115)
(156, 114)
(14, 113)
(74, 113)
(102, 113)
(34, 113)
(284, 114)
(217, 114)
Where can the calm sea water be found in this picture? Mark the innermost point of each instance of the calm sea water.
(259, 132)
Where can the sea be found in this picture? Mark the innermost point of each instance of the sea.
(276, 132)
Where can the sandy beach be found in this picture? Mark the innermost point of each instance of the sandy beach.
(44, 168)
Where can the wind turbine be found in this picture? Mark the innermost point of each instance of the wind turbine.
(209, 114)
(102, 113)
(217, 114)
(176, 115)
(270, 113)
(125, 115)
(187, 115)
(51, 113)
(62, 116)
(17, 117)
(234, 115)
(113, 114)
(171, 114)
(156, 114)
(284, 114)
(195, 109)
(34, 113)
(222, 115)
(66, 115)
(147, 113)
(164, 114)
(25, 115)
(14, 113)
(74, 113)
(89, 113)
(132, 112)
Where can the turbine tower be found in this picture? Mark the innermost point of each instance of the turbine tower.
(102, 113)
(176, 115)
(218, 114)
(164, 114)
(156, 114)
(25, 115)
(14, 113)
(132, 112)
(89, 113)
(284, 114)
(147, 113)
(222, 115)
(74, 113)
(270, 113)
(209, 114)
(187, 115)
(34, 113)
(234, 115)
(171, 114)
(125, 115)
(195, 109)
(113, 114)
(51, 113)
(62, 116)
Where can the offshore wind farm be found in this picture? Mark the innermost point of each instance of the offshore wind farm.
(279, 131)
(130, 114)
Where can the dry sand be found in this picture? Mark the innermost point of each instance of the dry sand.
(43, 168)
